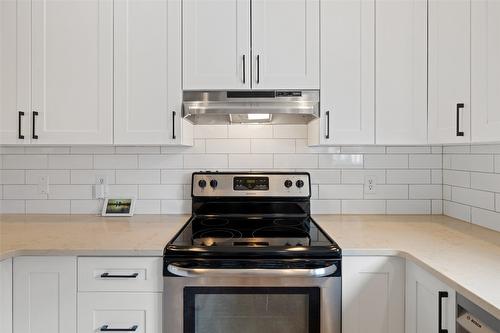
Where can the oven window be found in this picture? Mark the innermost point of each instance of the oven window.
(251, 310)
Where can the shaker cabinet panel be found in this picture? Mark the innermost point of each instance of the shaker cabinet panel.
(285, 44)
(347, 74)
(485, 70)
(72, 71)
(373, 294)
(216, 44)
(6, 296)
(401, 72)
(44, 294)
(427, 300)
(449, 71)
(147, 82)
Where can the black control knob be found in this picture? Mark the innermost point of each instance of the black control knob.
(299, 183)
(213, 183)
(202, 183)
(288, 183)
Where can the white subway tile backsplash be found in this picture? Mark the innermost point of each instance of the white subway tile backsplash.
(426, 161)
(134, 150)
(363, 149)
(251, 161)
(161, 192)
(363, 206)
(210, 131)
(437, 176)
(123, 191)
(48, 207)
(456, 149)
(325, 176)
(408, 207)
(456, 210)
(486, 218)
(273, 146)
(474, 198)
(456, 178)
(234, 146)
(408, 176)
(90, 176)
(70, 192)
(358, 176)
(290, 131)
(480, 163)
(301, 147)
(148, 207)
(485, 149)
(197, 148)
(389, 192)
(6, 150)
(161, 161)
(497, 200)
(325, 206)
(22, 192)
(19, 162)
(446, 192)
(137, 176)
(86, 206)
(485, 181)
(426, 192)
(54, 176)
(437, 207)
(409, 150)
(437, 149)
(46, 150)
(70, 161)
(386, 161)
(12, 206)
(15, 177)
(115, 161)
(176, 176)
(95, 150)
(341, 191)
(314, 191)
(295, 161)
(497, 164)
(205, 161)
(250, 131)
(340, 161)
(175, 206)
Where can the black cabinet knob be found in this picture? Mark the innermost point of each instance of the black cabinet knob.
(202, 183)
(288, 183)
(299, 183)
(213, 183)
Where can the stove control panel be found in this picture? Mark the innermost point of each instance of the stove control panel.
(221, 184)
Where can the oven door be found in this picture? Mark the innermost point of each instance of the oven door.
(251, 301)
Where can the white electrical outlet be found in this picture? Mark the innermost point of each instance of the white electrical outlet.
(43, 185)
(101, 187)
(370, 184)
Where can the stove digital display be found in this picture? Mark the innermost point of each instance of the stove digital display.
(251, 183)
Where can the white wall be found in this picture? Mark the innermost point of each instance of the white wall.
(471, 184)
(409, 178)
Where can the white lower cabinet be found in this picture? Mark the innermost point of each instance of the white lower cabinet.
(137, 312)
(6, 296)
(44, 294)
(428, 300)
(373, 294)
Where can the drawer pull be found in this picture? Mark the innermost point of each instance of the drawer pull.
(115, 276)
(105, 328)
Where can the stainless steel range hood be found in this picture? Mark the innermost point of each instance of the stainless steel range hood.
(270, 106)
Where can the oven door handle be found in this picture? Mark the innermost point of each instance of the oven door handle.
(249, 272)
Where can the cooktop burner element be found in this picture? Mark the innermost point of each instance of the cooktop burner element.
(265, 215)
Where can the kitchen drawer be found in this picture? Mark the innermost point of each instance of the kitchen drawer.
(123, 312)
(127, 274)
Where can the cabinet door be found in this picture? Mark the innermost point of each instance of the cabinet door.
(449, 71)
(14, 71)
(138, 312)
(72, 71)
(425, 294)
(373, 294)
(285, 44)
(485, 70)
(45, 294)
(148, 88)
(216, 44)
(6, 296)
(347, 73)
(401, 72)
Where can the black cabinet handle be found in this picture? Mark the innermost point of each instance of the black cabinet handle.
(19, 125)
(244, 69)
(258, 69)
(105, 328)
(116, 276)
(173, 125)
(459, 106)
(441, 295)
(327, 133)
(34, 136)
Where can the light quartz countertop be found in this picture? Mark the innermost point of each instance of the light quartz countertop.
(464, 256)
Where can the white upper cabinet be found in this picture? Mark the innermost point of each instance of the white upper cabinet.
(216, 44)
(14, 72)
(285, 44)
(428, 300)
(347, 74)
(449, 71)
(401, 72)
(72, 71)
(148, 88)
(485, 70)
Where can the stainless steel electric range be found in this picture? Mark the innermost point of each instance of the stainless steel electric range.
(251, 259)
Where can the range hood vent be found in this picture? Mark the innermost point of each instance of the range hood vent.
(257, 107)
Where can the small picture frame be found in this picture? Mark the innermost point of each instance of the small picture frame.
(118, 207)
